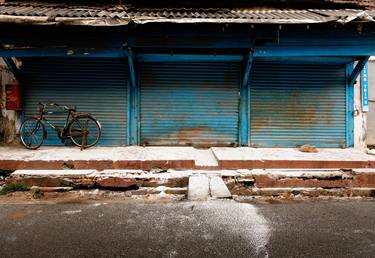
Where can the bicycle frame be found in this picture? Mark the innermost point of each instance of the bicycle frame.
(75, 128)
(61, 132)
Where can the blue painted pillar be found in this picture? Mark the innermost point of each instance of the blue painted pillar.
(244, 102)
(12, 67)
(349, 106)
(133, 112)
(358, 68)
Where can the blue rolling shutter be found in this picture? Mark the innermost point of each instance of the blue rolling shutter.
(98, 86)
(293, 104)
(190, 103)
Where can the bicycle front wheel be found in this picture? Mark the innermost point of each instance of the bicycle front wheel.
(32, 133)
(85, 131)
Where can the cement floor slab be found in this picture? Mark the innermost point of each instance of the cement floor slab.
(324, 154)
(181, 158)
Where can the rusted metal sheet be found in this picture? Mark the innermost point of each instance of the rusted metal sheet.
(116, 15)
(63, 14)
(97, 86)
(357, 3)
(190, 103)
(227, 15)
(299, 103)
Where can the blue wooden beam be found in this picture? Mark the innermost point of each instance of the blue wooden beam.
(244, 107)
(357, 70)
(64, 52)
(12, 67)
(133, 102)
(250, 59)
(294, 51)
(188, 58)
(349, 118)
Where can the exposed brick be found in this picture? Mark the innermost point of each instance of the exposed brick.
(182, 164)
(42, 181)
(175, 191)
(127, 164)
(145, 192)
(290, 164)
(116, 182)
(169, 182)
(364, 180)
(267, 181)
(168, 164)
(93, 164)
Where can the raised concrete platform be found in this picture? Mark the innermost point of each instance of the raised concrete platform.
(278, 158)
(181, 158)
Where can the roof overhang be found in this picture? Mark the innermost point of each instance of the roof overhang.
(117, 15)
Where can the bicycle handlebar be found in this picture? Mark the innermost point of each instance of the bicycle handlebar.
(48, 104)
(52, 104)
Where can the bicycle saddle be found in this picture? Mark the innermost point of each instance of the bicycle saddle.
(70, 108)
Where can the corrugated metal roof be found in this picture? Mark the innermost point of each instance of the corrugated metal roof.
(63, 14)
(122, 15)
(238, 15)
(361, 3)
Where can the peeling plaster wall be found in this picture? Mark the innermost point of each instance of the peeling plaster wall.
(360, 119)
(9, 120)
(371, 112)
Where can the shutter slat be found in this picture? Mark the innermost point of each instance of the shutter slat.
(296, 104)
(190, 103)
(97, 86)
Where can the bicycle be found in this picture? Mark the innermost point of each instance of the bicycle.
(81, 128)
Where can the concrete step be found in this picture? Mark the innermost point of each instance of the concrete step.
(202, 187)
(218, 189)
(115, 178)
(199, 189)
(201, 184)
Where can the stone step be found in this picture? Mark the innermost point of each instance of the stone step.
(199, 182)
(93, 178)
(218, 189)
(198, 189)
(201, 187)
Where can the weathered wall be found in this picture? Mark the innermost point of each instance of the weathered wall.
(360, 119)
(9, 120)
(371, 112)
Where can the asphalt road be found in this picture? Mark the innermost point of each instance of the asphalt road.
(189, 229)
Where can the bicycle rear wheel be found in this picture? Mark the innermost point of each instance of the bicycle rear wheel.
(32, 133)
(85, 131)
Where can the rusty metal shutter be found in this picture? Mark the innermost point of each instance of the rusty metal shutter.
(184, 103)
(98, 86)
(297, 103)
